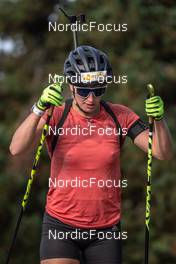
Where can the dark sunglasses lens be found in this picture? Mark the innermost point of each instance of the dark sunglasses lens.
(85, 92)
(99, 91)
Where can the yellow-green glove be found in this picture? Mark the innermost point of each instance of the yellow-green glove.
(52, 95)
(154, 107)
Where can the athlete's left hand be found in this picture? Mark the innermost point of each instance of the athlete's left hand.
(154, 107)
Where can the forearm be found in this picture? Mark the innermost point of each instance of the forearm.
(162, 141)
(25, 134)
(30, 130)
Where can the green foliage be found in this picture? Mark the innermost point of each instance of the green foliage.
(145, 53)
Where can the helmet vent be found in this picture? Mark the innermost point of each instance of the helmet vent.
(79, 62)
(68, 64)
(101, 59)
(90, 59)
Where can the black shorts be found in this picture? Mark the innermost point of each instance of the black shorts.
(90, 246)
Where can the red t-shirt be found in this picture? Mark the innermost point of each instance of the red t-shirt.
(80, 158)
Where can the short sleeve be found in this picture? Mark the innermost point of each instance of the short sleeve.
(130, 122)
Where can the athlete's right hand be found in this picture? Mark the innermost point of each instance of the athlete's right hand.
(52, 95)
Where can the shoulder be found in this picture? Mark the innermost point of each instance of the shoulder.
(57, 113)
(124, 114)
(59, 109)
(120, 109)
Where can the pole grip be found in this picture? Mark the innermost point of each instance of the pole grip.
(151, 92)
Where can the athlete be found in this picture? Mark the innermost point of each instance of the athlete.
(83, 208)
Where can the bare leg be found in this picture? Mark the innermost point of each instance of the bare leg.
(60, 261)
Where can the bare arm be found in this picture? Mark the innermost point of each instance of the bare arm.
(27, 134)
(162, 141)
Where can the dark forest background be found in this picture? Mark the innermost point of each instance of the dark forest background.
(146, 53)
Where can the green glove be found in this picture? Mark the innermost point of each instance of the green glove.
(154, 107)
(51, 96)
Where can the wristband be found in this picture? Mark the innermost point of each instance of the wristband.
(36, 110)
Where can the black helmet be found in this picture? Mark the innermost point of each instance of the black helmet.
(87, 66)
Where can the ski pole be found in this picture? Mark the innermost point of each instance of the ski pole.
(73, 21)
(148, 187)
(30, 182)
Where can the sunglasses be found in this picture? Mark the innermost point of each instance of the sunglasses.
(84, 92)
